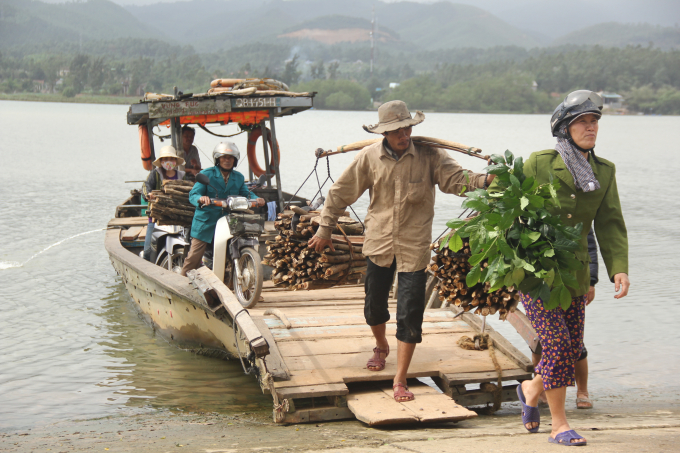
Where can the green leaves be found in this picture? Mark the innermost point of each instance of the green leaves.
(526, 239)
(455, 242)
(455, 224)
(524, 202)
(524, 244)
(476, 205)
(473, 276)
(559, 297)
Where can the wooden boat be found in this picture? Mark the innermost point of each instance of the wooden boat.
(308, 349)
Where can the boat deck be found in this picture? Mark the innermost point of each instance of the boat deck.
(317, 344)
(323, 355)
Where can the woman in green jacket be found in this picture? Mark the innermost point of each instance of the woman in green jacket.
(587, 193)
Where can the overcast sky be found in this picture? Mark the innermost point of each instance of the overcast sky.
(527, 13)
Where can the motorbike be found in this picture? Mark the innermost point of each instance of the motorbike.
(168, 244)
(235, 259)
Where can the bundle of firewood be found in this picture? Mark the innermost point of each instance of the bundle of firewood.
(171, 204)
(451, 268)
(298, 267)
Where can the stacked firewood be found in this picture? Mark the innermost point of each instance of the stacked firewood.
(171, 206)
(298, 267)
(451, 268)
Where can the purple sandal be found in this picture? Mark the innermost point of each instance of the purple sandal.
(530, 414)
(566, 438)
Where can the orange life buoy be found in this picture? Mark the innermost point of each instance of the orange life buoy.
(254, 135)
(145, 147)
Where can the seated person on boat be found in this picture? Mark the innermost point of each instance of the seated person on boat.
(228, 182)
(190, 153)
(167, 168)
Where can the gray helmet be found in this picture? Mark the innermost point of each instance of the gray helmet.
(577, 103)
(226, 149)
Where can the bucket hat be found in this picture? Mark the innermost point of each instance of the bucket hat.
(168, 151)
(394, 115)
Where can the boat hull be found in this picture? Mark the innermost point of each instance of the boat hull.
(170, 304)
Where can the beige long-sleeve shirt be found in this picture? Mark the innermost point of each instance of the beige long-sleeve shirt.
(402, 193)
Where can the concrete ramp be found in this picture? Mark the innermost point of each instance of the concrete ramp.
(374, 404)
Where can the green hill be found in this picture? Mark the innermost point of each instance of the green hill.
(446, 25)
(614, 34)
(208, 24)
(25, 23)
(338, 22)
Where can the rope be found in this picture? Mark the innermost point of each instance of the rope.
(303, 183)
(447, 229)
(321, 185)
(252, 369)
(485, 342)
(280, 408)
(218, 135)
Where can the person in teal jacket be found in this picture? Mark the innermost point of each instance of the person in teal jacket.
(227, 181)
(588, 195)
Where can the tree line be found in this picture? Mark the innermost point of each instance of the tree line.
(501, 79)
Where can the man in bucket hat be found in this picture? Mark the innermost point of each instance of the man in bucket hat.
(401, 178)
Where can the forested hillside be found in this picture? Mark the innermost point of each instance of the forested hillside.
(24, 23)
(438, 56)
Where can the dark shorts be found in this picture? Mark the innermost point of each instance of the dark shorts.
(410, 299)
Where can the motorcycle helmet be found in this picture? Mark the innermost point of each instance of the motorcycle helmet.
(226, 149)
(576, 104)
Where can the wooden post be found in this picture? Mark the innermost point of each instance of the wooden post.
(176, 133)
(267, 169)
(275, 153)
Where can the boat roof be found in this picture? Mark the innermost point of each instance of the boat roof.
(222, 108)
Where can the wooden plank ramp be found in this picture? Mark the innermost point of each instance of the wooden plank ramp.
(374, 404)
(327, 343)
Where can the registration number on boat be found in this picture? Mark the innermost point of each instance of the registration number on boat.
(240, 103)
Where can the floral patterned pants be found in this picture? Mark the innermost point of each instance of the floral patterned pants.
(561, 335)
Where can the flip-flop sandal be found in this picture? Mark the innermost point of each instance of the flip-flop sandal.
(530, 414)
(566, 438)
(376, 362)
(401, 393)
(584, 403)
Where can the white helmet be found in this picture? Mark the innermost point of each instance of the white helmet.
(226, 149)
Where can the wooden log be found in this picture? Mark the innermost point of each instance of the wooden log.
(340, 258)
(160, 209)
(354, 273)
(344, 247)
(178, 182)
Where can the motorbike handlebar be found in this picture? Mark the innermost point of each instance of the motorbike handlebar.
(222, 203)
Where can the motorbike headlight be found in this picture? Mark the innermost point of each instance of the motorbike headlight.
(238, 203)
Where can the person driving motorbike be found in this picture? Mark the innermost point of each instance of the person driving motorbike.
(227, 181)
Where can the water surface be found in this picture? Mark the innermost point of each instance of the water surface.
(72, 345)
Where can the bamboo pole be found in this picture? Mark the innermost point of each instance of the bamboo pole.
(435, 142)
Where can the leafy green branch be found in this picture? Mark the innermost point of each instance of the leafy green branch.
(514, 239)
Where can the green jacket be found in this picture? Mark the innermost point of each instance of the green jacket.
(205, 219)
(601, 206)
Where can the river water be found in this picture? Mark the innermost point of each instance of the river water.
(72, 346)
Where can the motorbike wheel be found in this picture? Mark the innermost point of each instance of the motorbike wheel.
(249, 288)
(177, 261)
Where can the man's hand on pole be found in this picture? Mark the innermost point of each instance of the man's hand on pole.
(318, 244)
(489, 178)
